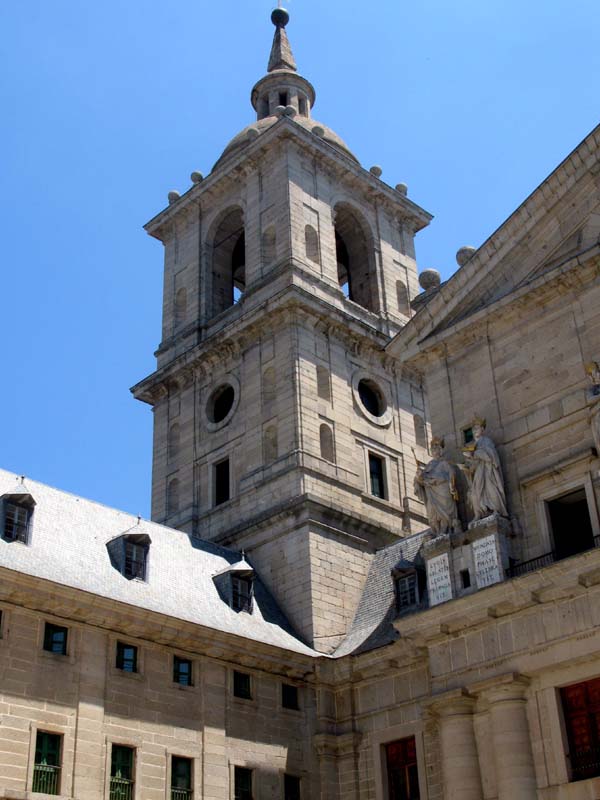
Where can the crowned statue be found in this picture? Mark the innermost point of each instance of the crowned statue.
(593, 399)
(435, 485)
(484, 473)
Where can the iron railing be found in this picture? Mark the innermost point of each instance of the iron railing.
(46, 778)
(544, 560)
(121, 789)
(182, 794)
(585, 763)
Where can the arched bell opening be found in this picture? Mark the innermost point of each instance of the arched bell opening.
(355, 258)
(228, 262)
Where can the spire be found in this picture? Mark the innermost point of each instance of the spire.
(281, 52)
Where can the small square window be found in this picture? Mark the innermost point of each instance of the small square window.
(242, 685)
(46, 768)
(127, 657)
(17, 518)
(242, 783)
(55, 639)
(241, 594)
(182, 671)
(291, 787)
(289, 696)
(221, 482)
(377, 476)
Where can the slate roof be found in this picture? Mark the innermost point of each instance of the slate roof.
(68, 546)
(372, 625)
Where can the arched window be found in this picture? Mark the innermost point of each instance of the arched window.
(420, 432)
(403, 301)
(326, 441)
(269, 246)
(323, 383)
(180, 307)
(270, 444)
(228, 262)
(354, 251)
(268, 386)
(311, 240)
(173, 441)
(173, 496)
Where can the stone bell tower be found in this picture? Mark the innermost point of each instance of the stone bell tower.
(281, 427)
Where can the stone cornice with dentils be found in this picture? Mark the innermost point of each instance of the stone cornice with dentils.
(343, 167)
(582, 161)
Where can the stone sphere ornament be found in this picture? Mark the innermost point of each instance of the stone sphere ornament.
(464, 254)
(173, 197)
(402, 188)
(376, 170)
(318, 130)
(196, 177)
(252, 134)
(280, 17)
(429, 279)
(290, 111)
(279, 111)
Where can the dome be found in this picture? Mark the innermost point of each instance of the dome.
(244, 137)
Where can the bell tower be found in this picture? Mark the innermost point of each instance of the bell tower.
(281, 426)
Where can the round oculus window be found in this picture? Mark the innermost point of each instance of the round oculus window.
(371, 397)
(220, 403)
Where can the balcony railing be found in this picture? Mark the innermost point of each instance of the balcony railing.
(121, 789)
(541, 561)
(46, 779)
(182, 794)
(585, 763)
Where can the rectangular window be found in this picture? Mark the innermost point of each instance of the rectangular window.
(402, 773)
(291, 787)
(55, 639)
(289, 697)
(181, 778)
(242, 685)
(581, 709)
(121, 773)
(465, 577)
(468, 436)
(283, 99)
(242, 783)
(126, 657)
(46, 768)
(241, 594)
(16, 522)
(377, 476)
(135, 560)
(182, 671)
(221, 479)
(571, 524)
(406, 591)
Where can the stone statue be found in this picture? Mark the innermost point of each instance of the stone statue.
(484, 472)
(435, 485)
(593, 398)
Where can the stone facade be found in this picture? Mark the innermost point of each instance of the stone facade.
(299, 376)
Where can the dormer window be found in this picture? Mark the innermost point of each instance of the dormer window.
(17, 513)
(241, 593)
(409, 585)
(129, 555)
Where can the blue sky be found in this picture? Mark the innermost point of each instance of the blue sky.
(107, 106)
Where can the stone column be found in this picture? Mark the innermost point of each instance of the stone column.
(460, 765)
(515, 770)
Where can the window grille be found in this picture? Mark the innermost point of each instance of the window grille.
(46, 768)
(181, 778)
(16, 522)
(182, 671)
(135, 560)
(407, 593)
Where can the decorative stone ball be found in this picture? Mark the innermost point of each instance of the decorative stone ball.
(429, 279)
(463, 255)
(196, 177)
(280, 17)
(252, 134)
(290, 111)
(318, 130)
(402, 188)
(279, 111)
(376, 171)
(173, 196)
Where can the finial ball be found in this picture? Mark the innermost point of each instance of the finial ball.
(173, 197)
(429, 279)
(280, 17)
(463, 255)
